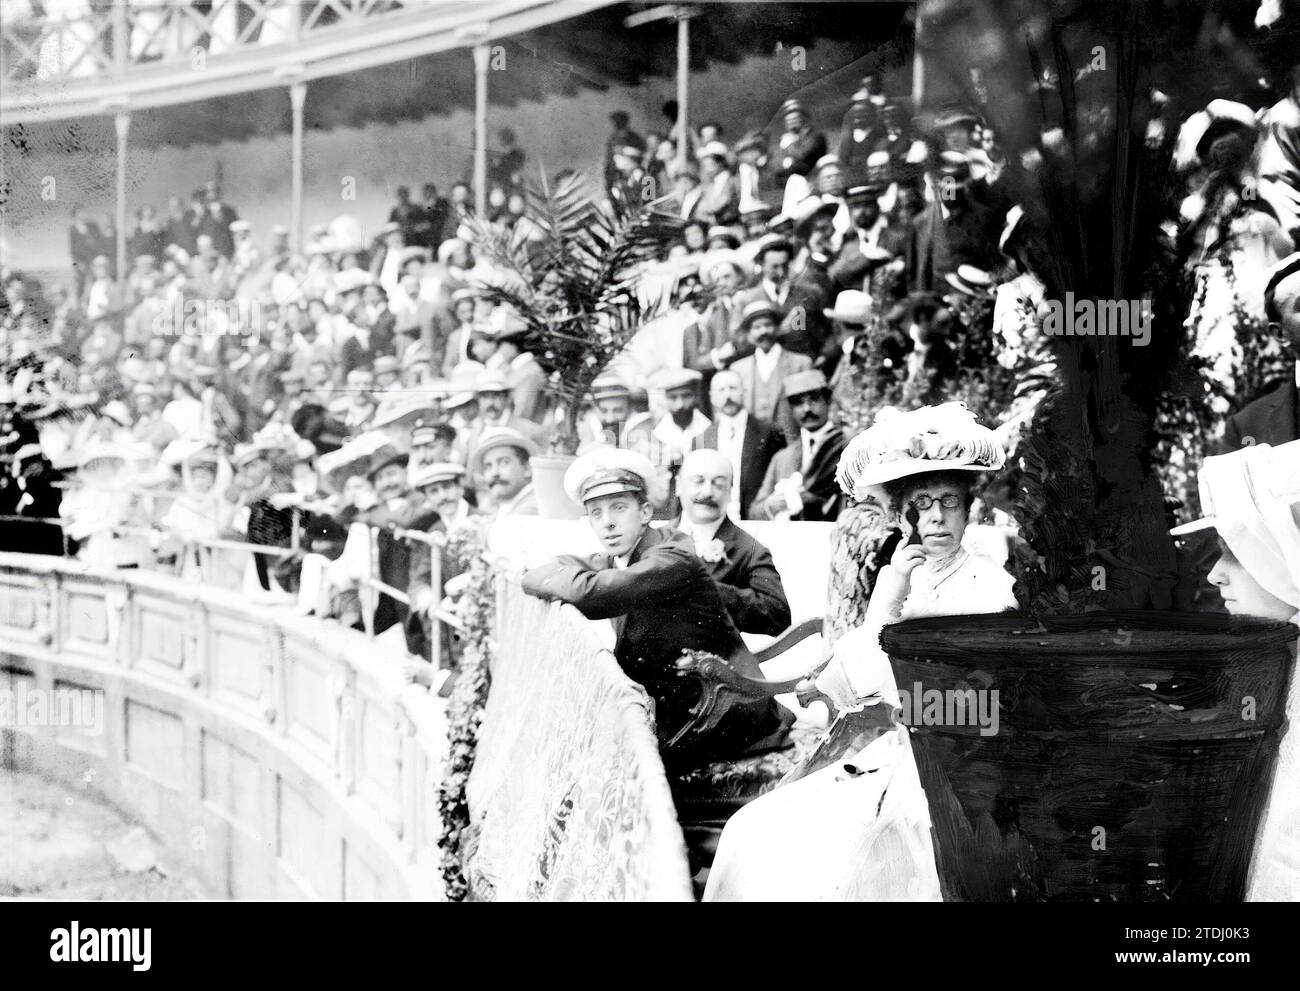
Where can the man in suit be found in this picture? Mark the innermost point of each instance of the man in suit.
(763, 373)
(800, 146)
(746, 442)
(663, 601)
(800, 482)
(747, 579)
(958, 228)
(870, 243)
(503, 460)
(801, 302)
(1274, 418)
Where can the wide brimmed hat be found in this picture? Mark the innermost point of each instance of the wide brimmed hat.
(1225, 117)
(970, 280)
(490, 381)
(353, 458)
(383, 457)
(461, 385)
(1251, 496)
(946, 437)
(495, 437)
(810, 209)
(851, 306)
(760, 308)
(606, 471)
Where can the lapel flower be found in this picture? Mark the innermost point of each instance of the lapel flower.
(712, 552)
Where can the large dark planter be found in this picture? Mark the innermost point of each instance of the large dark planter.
(1125, 766)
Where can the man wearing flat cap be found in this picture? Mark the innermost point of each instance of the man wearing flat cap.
(663, 602)
(1274, 418)
(800, 482)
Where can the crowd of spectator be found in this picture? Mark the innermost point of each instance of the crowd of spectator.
(228, 390)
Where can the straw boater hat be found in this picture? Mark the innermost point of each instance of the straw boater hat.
(438, 471)
(495, 437)
(607, 471)
(1251, 496)
(933, 438)
(970, 280)
(851, 306)
(760, 308)
(609, 386)
(678, 378)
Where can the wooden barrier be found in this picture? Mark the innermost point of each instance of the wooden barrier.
(276, 756)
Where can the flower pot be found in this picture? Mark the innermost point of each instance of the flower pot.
(553, 503)
(1132, 760)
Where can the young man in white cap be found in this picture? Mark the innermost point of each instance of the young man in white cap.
(653, 582)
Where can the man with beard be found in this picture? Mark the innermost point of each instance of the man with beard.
(747, 579)
(663, 602)
(504, 461)
(611, 402)
(667, 441)
(746, 442)
(870, 243)
(800, 482)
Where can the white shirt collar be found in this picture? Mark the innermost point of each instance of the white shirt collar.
(766, 363)
(702, 533)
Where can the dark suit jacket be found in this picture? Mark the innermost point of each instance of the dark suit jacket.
(663, 602)
(823, 497)
(749, 583)
(1273, 418)
(757, 448)
(804, 328)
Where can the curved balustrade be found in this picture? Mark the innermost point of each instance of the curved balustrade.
(275, 755)
(85, 57)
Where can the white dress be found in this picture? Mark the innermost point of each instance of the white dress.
(1275, 869)
(858, 830)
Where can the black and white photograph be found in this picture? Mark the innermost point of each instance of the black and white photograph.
(485, 451)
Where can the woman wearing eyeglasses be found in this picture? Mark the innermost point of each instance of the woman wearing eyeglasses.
(858, 826)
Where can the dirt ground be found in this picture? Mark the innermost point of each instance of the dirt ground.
(56, 843)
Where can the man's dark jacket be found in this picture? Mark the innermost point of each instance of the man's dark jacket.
(1273, 418)
(749, 583)
(662, 603)
(757, 448)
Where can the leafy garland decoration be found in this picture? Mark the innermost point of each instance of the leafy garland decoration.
(474, 609)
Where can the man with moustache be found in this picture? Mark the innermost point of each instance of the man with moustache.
(763, 373)
(746, 442)
(503, 460)
(663, 602)
(441, 486)
(747, 579)
(800, 482)
(667, 441)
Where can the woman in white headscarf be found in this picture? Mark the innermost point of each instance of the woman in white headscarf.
(859, 829)
(1251, 497)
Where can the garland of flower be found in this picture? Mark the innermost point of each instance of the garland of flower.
(475, 609)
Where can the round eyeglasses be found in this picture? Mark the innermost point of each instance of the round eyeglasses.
(924, 502)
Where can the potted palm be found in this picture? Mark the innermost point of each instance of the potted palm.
(570, 269)
(1136, 743)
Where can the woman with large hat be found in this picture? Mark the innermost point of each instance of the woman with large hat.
(1251, 497)
(863, 805)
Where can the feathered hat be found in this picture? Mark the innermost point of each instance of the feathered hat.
(933, 438)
